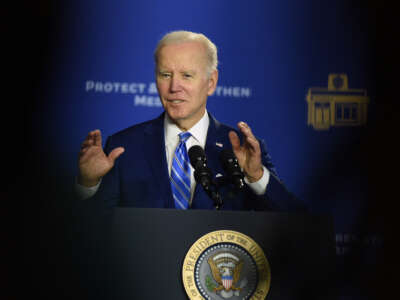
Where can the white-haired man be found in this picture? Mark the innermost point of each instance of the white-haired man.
(139, 166)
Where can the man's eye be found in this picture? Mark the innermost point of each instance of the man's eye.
(186, 75)
(165, 75)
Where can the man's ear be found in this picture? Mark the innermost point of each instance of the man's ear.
(212, 82)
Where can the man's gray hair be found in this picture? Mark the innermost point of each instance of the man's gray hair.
(181, 36)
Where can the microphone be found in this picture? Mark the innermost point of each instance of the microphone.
(231, 166)
(198, 159)
(202, 174)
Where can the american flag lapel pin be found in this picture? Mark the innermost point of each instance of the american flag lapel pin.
(219, 145)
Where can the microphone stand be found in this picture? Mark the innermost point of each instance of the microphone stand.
(210, 187)
(236, 186)
(217, 199)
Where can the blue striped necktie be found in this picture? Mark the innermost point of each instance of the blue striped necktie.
(180, 174)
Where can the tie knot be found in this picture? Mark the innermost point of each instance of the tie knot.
(183, 136)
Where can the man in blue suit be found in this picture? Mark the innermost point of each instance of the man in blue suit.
(134, 169)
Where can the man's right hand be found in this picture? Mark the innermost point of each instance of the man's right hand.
(93, 162)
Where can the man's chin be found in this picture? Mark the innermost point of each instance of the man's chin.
(184, 120)
(177, 116)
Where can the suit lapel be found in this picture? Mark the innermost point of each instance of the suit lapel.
(154, 149)
(211, 148)
(201, 199)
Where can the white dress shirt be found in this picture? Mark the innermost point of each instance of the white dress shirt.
(198, 137)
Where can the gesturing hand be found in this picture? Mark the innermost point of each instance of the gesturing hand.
(93, 162)
(248, 154)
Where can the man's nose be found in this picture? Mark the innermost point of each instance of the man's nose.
(175, 84)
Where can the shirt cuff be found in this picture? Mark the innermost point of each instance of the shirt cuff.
(84, 192)
(259, 187)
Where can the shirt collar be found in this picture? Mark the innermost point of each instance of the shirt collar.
(198, 130)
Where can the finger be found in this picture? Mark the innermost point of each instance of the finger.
(89, 140)
(86, 143)
(83, 155)
(249, 138)
(253, 144)
(92, 133)
(96, 135)
(235, 141)
(115, 153)
(245, 129)
(83, 151)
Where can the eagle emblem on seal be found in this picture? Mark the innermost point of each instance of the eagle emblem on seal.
(225, 269)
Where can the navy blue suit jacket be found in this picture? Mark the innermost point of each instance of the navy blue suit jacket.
(140, 176)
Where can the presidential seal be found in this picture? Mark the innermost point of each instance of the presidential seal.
(226, 264)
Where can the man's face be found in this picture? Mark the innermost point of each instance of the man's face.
(182, 82)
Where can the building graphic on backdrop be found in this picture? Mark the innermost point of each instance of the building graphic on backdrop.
(336, 105)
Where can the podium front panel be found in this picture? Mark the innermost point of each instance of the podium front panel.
(145, 250)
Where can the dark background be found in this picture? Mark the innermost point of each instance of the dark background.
(38, 224)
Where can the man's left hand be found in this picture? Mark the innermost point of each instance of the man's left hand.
(248, 154)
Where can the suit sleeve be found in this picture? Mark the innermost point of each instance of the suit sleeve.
(109, 192)
(277, 196)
